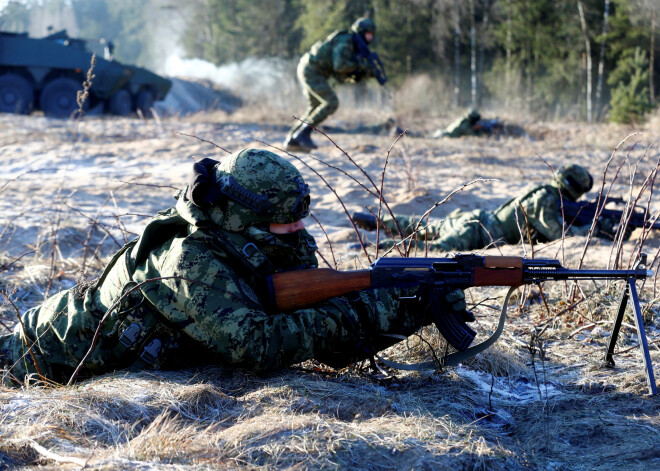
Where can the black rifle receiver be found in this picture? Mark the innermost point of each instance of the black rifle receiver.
(582, 213)
(371, 57)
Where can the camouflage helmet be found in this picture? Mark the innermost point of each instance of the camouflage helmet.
(260, 188)
(363, 25)
(574, 180)
(473, 116)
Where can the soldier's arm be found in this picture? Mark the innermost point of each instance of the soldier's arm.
(216, 308)
(544, 215)
(345, 63)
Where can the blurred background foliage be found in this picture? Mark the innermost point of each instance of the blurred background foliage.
(589, 60)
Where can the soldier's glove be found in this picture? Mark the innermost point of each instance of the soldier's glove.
(455, 302)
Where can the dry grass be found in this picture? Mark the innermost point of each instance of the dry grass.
(523, 404)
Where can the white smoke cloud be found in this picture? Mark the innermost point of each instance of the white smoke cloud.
(266, 80)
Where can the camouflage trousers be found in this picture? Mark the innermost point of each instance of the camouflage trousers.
(322, 101)
(459, 231)
(55, 337)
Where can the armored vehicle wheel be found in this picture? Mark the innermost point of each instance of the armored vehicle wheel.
(144, 101)
(58, 97)
(16, 94)
(121, 103)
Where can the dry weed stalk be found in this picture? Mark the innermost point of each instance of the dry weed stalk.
(382, 200)
(332, 252)
(7, 297)
(83, 95)
(600, 203)
(80, 99)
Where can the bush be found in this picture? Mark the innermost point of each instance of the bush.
(630, 95)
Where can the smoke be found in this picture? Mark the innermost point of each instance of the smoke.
(270, 81)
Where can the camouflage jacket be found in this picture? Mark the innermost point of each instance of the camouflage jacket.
(471, 230)
(540, 209)
(336, 56)
(187, 292)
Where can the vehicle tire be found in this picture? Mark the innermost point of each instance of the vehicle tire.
(145, 101)
(58, 97)
(121, 103)
(16, 94)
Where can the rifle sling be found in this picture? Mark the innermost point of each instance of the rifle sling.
(455, 358)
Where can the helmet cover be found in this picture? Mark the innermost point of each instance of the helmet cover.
(260, 187)
(574, 180)
(363, 25)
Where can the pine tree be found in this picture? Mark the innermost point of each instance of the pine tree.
(630, 96)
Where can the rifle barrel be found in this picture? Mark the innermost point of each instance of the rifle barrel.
(533, 275)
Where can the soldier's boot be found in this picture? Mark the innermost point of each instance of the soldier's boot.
(365, 221)
(301, 141)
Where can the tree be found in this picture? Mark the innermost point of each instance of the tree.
(15, 16)
(587, 44)
(601, 60)
(223, 31)
(630, 97)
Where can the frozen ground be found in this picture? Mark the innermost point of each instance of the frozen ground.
(73, 193)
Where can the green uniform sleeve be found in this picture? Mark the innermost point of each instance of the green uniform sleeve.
(544, 215)
(345, 64)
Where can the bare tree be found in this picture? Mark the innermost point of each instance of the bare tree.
(473, 57)
(652, 56)
(601, 61)
(509, 41)
(587, 45)
(457, 53)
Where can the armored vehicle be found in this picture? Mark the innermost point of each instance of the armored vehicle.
(47, 73)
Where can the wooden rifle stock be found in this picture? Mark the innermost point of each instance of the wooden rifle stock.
(291, 290)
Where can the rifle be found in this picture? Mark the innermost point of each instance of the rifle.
(582, 213)
(371, 57)
(303, 288)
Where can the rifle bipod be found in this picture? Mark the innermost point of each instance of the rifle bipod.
(630, 291)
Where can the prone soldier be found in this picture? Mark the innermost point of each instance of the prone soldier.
(190, 289)
(538, 209)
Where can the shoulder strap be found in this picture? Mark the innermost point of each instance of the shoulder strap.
(455, 358)
(252, 261)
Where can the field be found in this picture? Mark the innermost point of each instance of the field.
(71, 193)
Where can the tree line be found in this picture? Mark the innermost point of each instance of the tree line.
(591, 60)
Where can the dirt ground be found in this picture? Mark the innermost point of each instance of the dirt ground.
(71, 193)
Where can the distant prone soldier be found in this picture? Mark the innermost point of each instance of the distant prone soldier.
(473, 124)
(535, 214)
(344, 56)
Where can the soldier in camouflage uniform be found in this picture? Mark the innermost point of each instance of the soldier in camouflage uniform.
(539, 209)
(333, 57)
(191, 289)
(466, 125)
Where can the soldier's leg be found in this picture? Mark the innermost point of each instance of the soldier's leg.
(54, 338)
(322, 102)
(312, 104)
(322, 96)
(470, 231)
